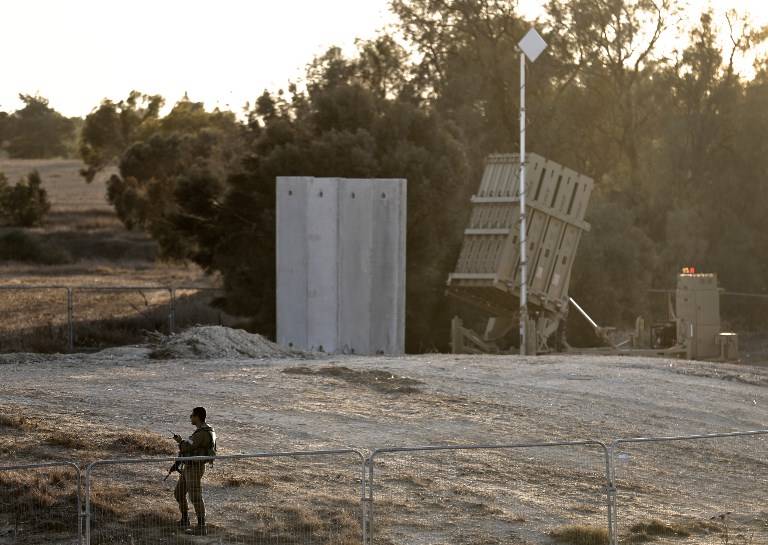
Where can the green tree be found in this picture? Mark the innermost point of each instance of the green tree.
(38, 131)
(112, 127)
(5, 126)
(206, 199)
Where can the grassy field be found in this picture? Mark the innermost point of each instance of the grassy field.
(83, 243)
(61, 178)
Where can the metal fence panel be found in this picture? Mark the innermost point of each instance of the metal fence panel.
(109, 316)
(51, 318)
(490, 494)
(710, 489)
(40, 503)
(270, 498)
(34, 319)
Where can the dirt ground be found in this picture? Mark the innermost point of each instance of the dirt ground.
(520, 496)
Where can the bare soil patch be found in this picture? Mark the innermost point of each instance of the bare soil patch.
(376, 379)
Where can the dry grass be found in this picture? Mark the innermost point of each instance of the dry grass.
(42, 500)
(580, 535)
(17, 422)
(654, 528)
(647, 530)
(259, 480)
(125, 513)
(381, 381)
(61, 179)
(67, 439)
(143, 443)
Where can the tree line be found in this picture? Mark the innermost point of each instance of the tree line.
(37, 131)
(674, 140)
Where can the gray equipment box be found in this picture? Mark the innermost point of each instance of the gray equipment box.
(697, 307)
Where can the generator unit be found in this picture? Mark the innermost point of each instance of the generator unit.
(693, 329)
(487, 272)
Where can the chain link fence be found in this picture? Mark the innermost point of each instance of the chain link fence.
(34, 319)
(710, 489)
(704, 489)
(271, 498)
(65, 318)
(40, 503)
(462, 495)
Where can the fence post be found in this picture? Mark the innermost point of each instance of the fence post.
(70, 321)
(87, 514)
(610, 490)
(172, 311)
(80, 536)
(367, 500)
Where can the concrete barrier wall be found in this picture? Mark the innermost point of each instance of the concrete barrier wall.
(341, 264)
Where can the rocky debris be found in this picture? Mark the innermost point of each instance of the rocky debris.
(217, 342)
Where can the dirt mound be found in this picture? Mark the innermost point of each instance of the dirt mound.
(217, 342)
(381, 381)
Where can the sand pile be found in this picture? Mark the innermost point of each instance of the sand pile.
(217, 342)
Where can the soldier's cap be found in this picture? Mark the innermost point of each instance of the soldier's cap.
(199, 411)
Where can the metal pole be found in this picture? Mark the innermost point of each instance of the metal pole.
(172, 311)
(610, 492)
(80, 536)
(523, 241)
(88, 505)
(371, 521)
(70, 321)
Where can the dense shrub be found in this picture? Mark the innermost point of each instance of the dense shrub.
(24, 204)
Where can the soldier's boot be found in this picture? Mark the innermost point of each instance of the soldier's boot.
(184, 522)
(201, 529)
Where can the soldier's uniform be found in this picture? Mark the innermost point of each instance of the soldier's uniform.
(201, 443)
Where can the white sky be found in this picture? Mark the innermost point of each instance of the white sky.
(223, 52)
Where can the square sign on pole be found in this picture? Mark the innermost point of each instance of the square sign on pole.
(532, 45)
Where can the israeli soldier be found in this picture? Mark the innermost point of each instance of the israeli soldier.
(201, 443)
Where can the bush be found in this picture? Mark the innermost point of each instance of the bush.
(26, 203)
(580, 535)
(19, 246)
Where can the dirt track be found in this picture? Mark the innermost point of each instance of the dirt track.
(462, 399)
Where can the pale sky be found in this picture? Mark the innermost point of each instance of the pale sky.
(222, 52)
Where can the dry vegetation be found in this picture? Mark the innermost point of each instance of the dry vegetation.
(581, 535)
(40, 503)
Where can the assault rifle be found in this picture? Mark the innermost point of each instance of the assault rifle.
(176, 467)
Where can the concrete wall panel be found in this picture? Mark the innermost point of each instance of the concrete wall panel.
(355, 266)
(341, 264)
(322, 256)
(291, 260)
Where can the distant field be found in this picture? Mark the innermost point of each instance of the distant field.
(67, 190)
